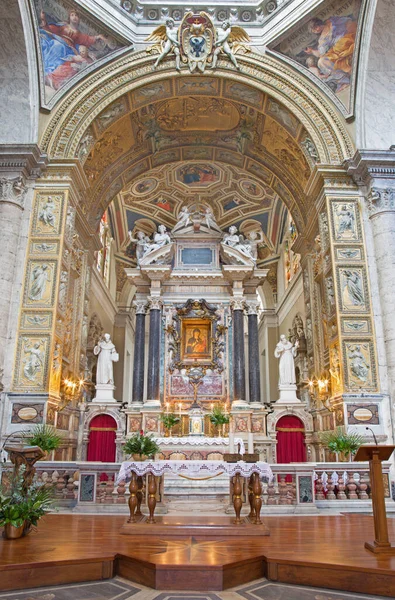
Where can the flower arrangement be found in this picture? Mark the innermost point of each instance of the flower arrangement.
(22, 508)
(341, 443)
(218, 417)
(141, 445)
(169, 420)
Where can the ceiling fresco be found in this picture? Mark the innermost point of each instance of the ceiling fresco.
(204, 121)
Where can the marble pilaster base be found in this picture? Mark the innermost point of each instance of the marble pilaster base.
(287, 395)
(104, 393)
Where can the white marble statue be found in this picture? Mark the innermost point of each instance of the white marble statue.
(184, 219)
(286, 352)
(107, 355)
(238, 242)
(255, 238)
(209, 220)
(143, 243)
(223, 34)
(161, 238)
(168, 37)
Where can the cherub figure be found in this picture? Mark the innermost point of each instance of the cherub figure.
(227, 36)
(165, 38)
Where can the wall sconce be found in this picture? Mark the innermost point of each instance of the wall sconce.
(319, 392)
(72, 391)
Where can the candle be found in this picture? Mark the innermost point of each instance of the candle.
(250, 442)
(167, 407)
(231, 442)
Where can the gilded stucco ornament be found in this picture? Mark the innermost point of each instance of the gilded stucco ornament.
(197, 43)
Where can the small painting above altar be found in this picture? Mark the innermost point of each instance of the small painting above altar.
(196, 341)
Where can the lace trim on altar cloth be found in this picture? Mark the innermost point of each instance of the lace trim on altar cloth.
(193, 467)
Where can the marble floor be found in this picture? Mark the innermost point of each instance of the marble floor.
(120, 589)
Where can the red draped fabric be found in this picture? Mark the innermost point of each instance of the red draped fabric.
(290, 440)
(101, 446)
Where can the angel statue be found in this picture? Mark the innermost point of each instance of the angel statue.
(229, 40)
(165, 40)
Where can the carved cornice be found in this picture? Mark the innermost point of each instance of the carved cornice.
(22, 160)
(368, 165)
(380, 201)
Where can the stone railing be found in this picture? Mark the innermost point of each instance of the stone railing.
(296, 487)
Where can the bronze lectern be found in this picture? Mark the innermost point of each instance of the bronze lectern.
(375, 455)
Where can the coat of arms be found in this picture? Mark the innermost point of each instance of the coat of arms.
(197, 42)
(197, 38)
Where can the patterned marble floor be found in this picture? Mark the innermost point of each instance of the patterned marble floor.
(119, 589)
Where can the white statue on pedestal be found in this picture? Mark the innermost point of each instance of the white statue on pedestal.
(286, 352)
(107, 355)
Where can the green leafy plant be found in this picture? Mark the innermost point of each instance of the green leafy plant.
(45, 437)
(341, 443)
(218, 416)
(143, 445)
(169, 420)
(24, 507)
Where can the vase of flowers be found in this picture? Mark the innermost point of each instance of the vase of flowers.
(141, 446)
(169, 420)
(219, 418)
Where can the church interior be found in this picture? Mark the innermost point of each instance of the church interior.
(197, 341)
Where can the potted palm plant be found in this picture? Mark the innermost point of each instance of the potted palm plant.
(343, 444)
(45, 437)
(218, 417)
(141, 446)
(22, 508)
(169, 420)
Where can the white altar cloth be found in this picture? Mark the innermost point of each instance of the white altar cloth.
(193, 468)
(194, 440)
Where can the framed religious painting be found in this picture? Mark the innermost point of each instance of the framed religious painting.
(196, 341)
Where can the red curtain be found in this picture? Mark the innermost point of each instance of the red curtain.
(101, 446)
(290, 440)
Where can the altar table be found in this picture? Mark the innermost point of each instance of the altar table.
(195, 469)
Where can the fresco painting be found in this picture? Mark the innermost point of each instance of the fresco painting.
(198, 175)
(325, 45)
(70, 42)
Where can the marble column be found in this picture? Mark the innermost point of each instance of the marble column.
(239, 383)
(254, 367)
(18, 164)
(153, 375)
(139, 355)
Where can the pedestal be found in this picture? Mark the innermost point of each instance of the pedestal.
(375, 455)
(105, 393)
(287, 395)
